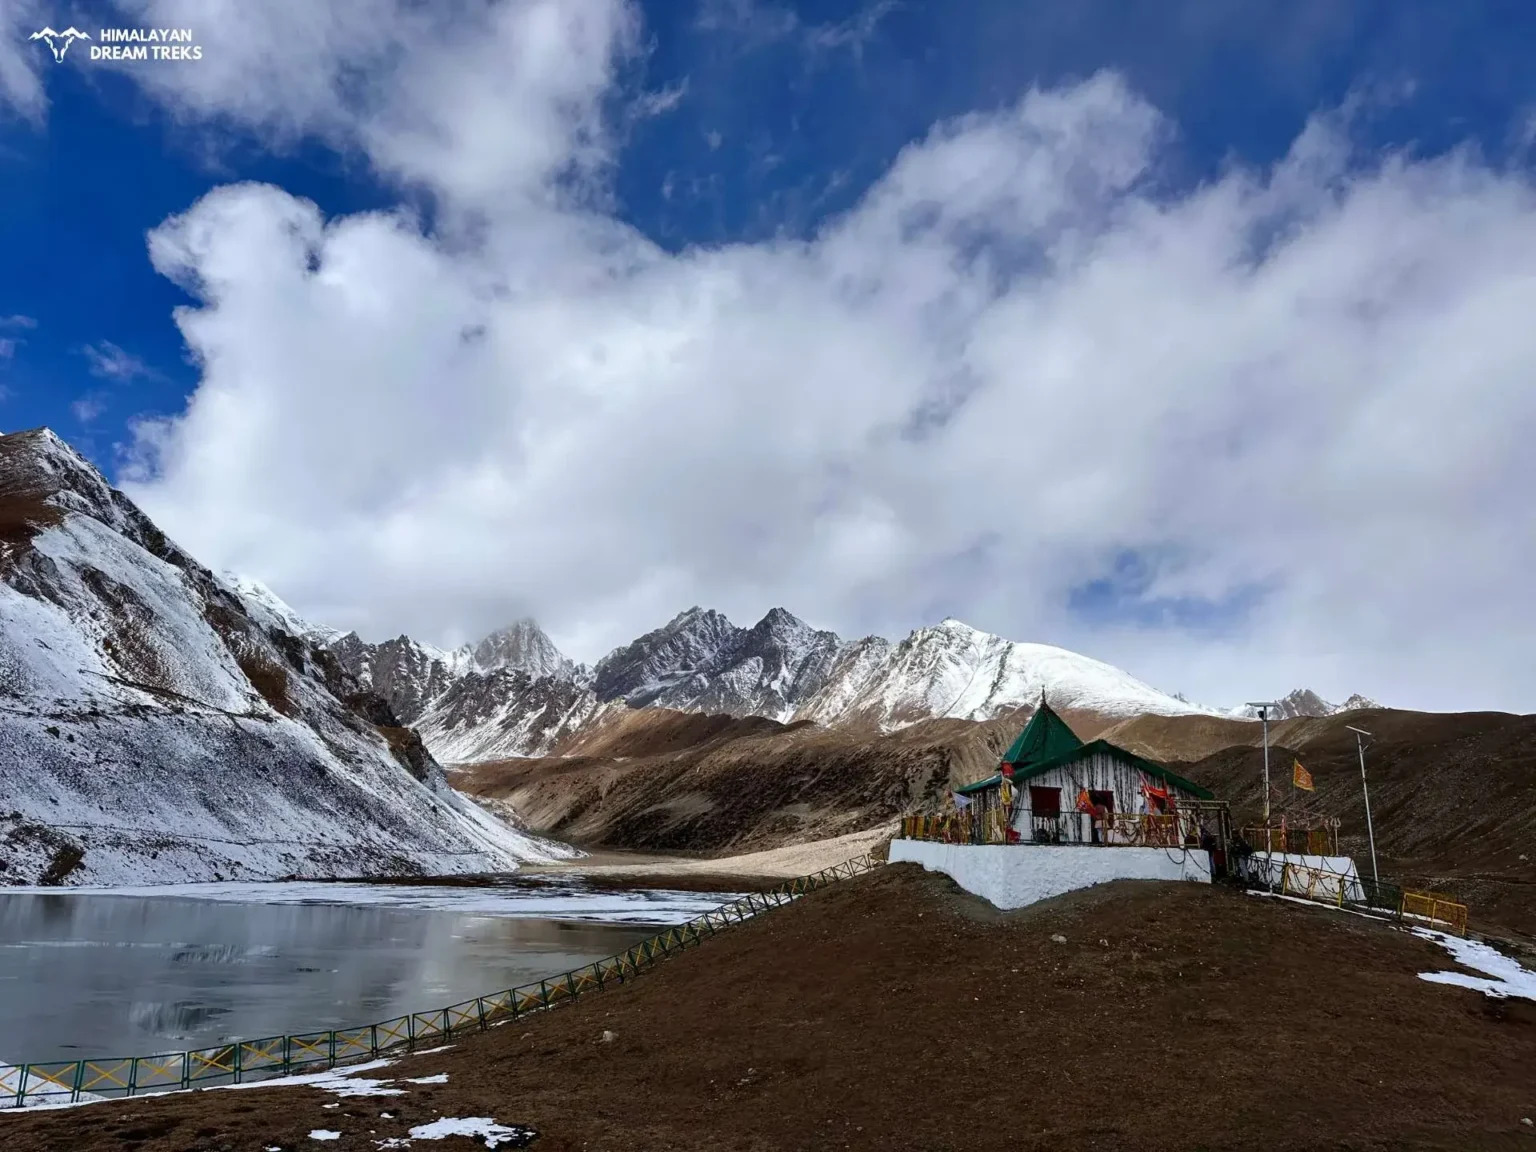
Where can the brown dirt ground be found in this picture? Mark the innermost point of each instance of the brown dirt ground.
(895, 1012)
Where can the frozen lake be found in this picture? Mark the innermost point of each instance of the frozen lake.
(127, 972)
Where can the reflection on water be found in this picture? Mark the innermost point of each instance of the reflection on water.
(133, 975)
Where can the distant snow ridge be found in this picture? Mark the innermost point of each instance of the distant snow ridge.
(156, 726)
(954, 670)
(699, 661)
(1305, 703)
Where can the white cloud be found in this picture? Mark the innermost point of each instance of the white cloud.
(853, 33)
(658, 103)
(8, 348)
(109, 362)
(1012, 362)
(21, 61)
(14, 322)
(88, 407)
(487, 102)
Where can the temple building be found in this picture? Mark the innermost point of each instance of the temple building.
(1051, 788)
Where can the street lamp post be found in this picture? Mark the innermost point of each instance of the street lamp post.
(1269, 851)
(1360, 735)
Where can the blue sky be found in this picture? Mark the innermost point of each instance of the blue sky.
(727, 151)
(786, 114)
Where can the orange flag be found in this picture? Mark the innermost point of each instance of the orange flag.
(1301, 777)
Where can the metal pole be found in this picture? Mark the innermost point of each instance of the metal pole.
(1264, 716)
(1269, 840)
(1370, 830)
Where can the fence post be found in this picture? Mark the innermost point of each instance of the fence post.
(239, 1063)
(74, 1092)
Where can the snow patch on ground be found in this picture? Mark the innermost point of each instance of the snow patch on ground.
(348, 1087)
(324, 1134)
(1502, 976)
(492, 1134)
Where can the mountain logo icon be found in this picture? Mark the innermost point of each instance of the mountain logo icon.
(59, 42)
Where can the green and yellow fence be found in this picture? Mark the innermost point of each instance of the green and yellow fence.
(1326, 886)
(243, 1061)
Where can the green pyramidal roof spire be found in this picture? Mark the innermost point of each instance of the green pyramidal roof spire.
(1045, 737)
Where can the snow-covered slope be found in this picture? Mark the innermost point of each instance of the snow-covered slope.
(954, 670)
(1304, 702)
(267, 607)
(156, 726)
(497, 715)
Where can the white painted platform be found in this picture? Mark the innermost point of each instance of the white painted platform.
(1320, 877)
(1013, 875)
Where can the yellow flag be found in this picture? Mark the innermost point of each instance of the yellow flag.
(1301, 777)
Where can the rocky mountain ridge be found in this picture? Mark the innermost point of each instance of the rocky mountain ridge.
(1303, 703)
(157, 724)
(528, 700)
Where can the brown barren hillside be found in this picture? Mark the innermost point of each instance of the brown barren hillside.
(1453, 797)
(666, 780)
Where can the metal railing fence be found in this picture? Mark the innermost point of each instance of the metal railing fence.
(1320, 841)
(58, 1081)
(1326, 886)
(1436, 908)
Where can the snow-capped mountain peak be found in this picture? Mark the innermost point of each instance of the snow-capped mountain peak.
(953, 669)
(266, 603)
(521, 646)
(662, 663)
(1305, 703)
(699, 661)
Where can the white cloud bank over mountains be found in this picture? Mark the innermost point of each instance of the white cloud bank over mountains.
(1021, 357)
